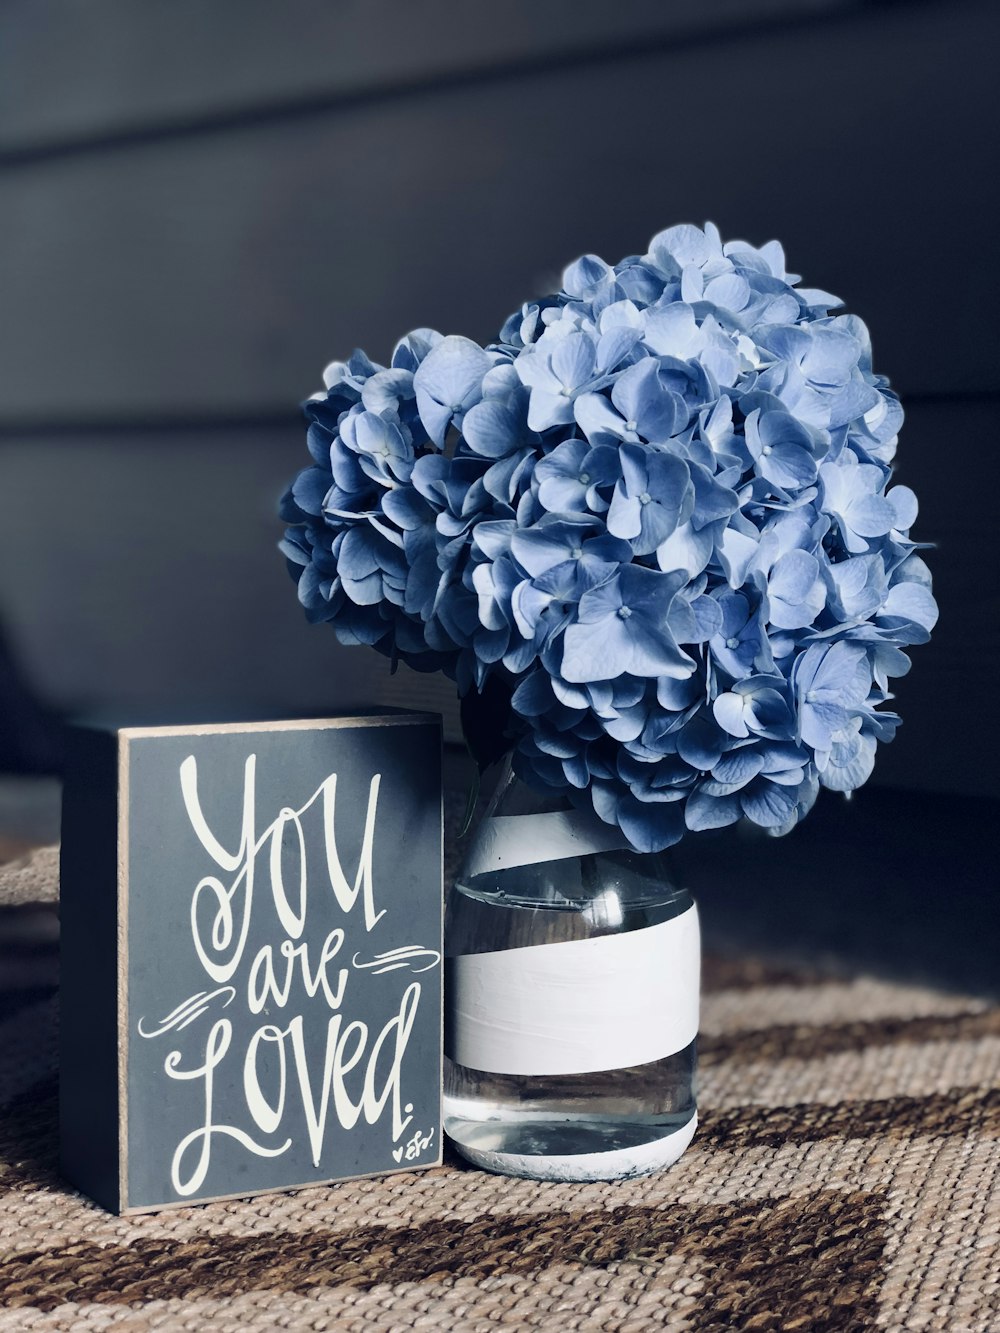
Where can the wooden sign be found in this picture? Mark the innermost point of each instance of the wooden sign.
(251, 957)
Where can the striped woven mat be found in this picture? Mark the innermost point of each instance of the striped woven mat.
(846, 1175)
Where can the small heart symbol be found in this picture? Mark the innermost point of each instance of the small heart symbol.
(398, 1154)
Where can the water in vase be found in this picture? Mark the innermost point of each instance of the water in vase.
(563, 976)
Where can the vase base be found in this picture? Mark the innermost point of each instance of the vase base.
(620, 1163)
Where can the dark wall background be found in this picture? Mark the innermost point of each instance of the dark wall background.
(201, 204)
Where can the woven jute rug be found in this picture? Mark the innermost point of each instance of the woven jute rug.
(846, 1175)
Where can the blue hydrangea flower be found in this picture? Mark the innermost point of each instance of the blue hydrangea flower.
(447, 383)
(628, 625)
(640, 407)
(657, 511)
(654, 497)
(556, 369)
(783, 450)
(576, 477)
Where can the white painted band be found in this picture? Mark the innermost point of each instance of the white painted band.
(519, 840)
(578, 1006)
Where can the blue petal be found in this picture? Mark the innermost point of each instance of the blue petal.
(539, 548)
(405, 507)
(309, 489)
(702, 811)
(573, 360)
(768, 805)
(382, 393)
(584, 274)
(708, 616)
(730, 714)
(676, 695)
(912, 602)
(739, 766)
(614, 345)
(598, 419)
(448, 381)
(850, 763)
(492, 429)
(547, 409)
(561, 494)
(700, 743)
(650, 828)
(796, 592)
(686, 549)
(904, 505)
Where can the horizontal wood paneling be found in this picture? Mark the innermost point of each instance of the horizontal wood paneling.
(218, 274)
(143, 572)
(75, 73)
(948, 701)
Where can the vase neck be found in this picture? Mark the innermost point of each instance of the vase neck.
(511, 795)
(538, 846)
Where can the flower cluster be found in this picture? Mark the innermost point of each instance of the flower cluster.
(658, 509)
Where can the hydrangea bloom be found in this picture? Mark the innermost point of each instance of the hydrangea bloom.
(657, 510)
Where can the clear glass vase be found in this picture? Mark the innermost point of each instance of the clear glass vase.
(571, 1010)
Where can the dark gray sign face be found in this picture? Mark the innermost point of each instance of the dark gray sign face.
(282, 1012)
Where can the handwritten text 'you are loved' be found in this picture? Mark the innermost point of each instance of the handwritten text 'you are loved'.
(360, 1073)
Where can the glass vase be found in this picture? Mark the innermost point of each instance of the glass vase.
(572, 975)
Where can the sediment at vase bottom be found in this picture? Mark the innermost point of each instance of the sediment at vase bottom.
(588, 1149)
(601, 1125)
